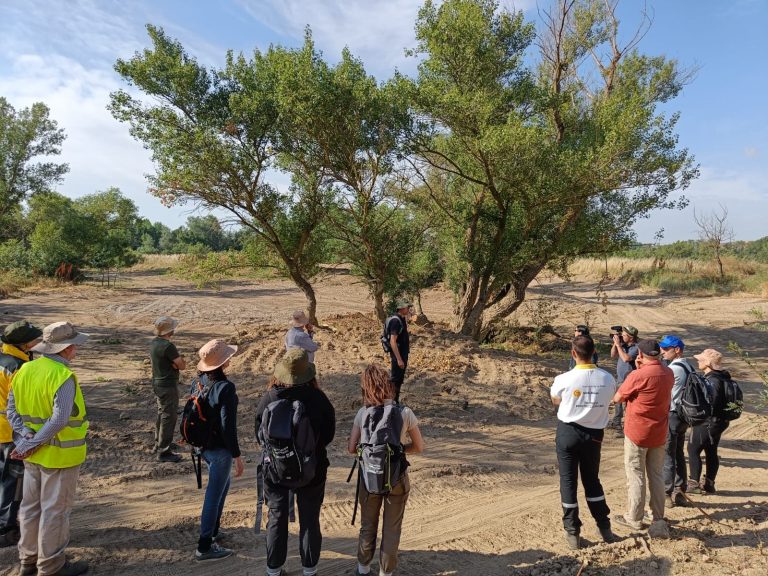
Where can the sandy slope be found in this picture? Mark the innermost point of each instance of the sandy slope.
(484, 496)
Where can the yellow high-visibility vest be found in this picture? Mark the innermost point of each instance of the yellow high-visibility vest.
(11, 360)
(34, 387)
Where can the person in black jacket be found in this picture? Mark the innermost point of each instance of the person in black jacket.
(706, 437)
(294, 379)
(223, 448)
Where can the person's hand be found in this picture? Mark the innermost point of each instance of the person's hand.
(239, 467)
(16, 455)
(616, 340)
(309, 328)
(401, 364)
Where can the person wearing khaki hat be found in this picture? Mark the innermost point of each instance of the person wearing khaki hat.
(18, 339)
(47, 411)
(624, 349)
(294, 379)
(166, 364)
(706, 436)
(399, 344)
(301, 335)
(223, 448)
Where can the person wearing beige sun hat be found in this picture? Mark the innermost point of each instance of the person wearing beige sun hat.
(223, 449)
(166, 365)
(47, 412)
(301, 334)
(294, 380)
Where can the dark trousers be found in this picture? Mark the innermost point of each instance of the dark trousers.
(618, 415)
(705, 437)
(9, 506)
(391, 524)
(309, 500)
(167, 414)
(397, 374)
(578, 450)
(675, 471)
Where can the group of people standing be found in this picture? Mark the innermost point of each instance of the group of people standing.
(651, 378)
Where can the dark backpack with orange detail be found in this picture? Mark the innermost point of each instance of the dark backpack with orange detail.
(199, 420)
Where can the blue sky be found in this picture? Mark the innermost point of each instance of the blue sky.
(62, 53)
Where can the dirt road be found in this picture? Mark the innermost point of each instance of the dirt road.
(484, 498)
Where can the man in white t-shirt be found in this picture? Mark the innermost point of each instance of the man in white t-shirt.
(582, 396)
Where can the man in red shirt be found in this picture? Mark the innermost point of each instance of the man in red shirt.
(647, 392)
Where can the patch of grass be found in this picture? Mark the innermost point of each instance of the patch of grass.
(13, 281)
(111, 340)
(103, 379)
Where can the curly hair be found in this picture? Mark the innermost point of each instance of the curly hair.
(376, 386)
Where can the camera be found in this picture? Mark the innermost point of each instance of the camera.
(616, 330)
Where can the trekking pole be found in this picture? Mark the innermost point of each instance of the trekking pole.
(198, 466)
(357, 487)
(259, 498)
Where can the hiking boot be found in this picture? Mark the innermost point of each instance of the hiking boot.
(10, 537)
(72, 568)
(169, 457)
(621, 520)
(709, 486)
(694, 488)
(28, 570)
(659, 529)
(215, 552)
(607, 535)
(573, 541)
(679, 498)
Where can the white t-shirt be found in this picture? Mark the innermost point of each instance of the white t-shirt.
(585, 394)
(409, 420)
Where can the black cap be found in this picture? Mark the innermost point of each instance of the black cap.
(649, 347)
(583, 329)
(21, 332)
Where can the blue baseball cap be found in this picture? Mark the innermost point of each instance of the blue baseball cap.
(670, 341)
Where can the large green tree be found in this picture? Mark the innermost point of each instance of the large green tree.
(27, 138)
(211, 135)
(531, 165)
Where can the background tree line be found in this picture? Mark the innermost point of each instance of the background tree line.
(513, 149)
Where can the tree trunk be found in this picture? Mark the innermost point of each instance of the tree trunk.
(421, 318)
(468, 312)
(309, 294)
(378, 301)
(720, 264)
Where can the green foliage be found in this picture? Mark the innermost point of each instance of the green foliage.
(25, 137)
(762, 374)
(14, 256)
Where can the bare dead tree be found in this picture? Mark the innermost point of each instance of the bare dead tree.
(714, 232)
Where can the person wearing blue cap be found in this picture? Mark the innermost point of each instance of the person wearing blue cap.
(675, 470)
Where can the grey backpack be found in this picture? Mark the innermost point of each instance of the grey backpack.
(381, 460)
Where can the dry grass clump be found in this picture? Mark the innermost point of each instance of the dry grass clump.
(151, 262)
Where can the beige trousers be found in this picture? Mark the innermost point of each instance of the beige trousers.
(392, 522)
(639, 464)
(49, 494)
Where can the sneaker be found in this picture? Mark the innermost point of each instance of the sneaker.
(621, 520)
(659, 529)
(215, 552)
(72, 568)
(28, 570)
(169, 457)
(694, 488)
(573, 541)
(607, 535)
(679, 498)
(10, 538)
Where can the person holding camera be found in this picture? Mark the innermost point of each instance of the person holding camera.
(624, 349)
(301, 335)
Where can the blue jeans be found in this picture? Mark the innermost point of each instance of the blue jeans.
(219, 468)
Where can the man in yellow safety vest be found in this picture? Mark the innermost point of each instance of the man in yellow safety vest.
(47, 412)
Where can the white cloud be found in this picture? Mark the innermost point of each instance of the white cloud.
(751, 152)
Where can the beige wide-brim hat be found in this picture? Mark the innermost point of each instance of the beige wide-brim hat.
(58, 336)
(711, 357)
(299, 319)
(165, 325)
(215, 354)
(295, 368)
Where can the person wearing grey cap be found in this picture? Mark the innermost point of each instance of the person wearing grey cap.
(47, 412)
(396, 331)
(166, 364)
(18, 339)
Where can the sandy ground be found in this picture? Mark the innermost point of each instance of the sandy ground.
(485, 498)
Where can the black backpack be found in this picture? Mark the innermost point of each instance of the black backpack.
(199, 420)
(289, 444)
(734, 400)
(380, 460)
(385, 337)
(695, 405)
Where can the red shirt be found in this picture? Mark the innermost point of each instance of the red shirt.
(647, 392)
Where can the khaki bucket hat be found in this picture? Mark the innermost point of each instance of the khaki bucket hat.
(294, 368)
(165, 325)
(58, 336)
(712, 358)
(299, 319)
(214, 354)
